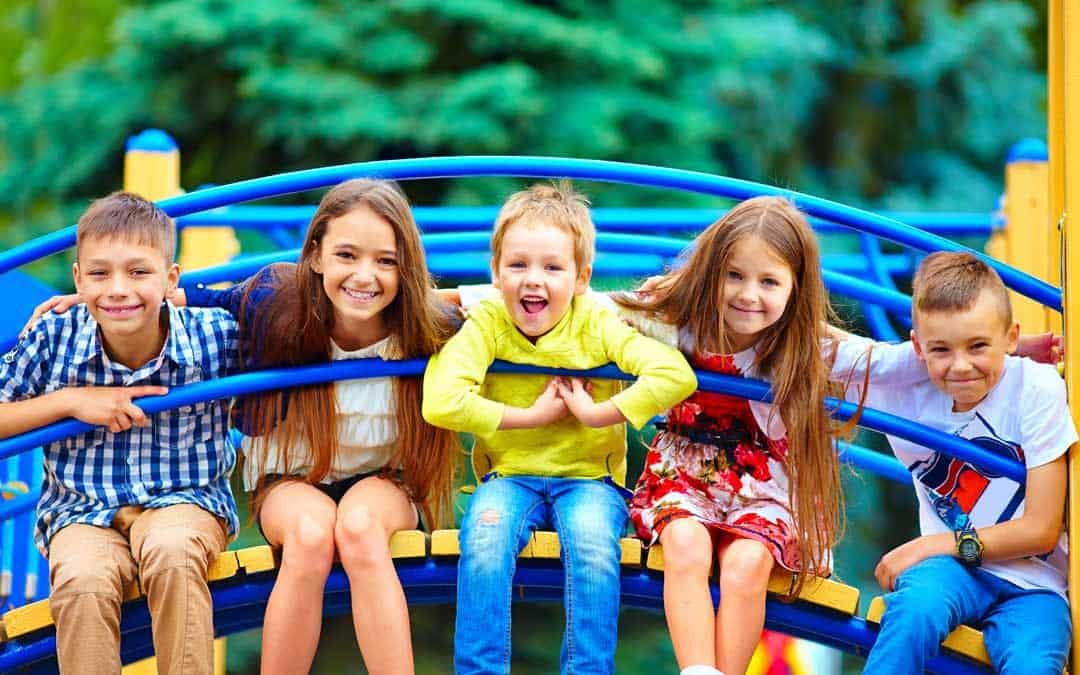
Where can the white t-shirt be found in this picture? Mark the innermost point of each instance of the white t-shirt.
(367, 428)
(1024, 417)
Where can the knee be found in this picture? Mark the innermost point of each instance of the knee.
(172, 548)
(309, 547)
(745, 570)
(687, 548)
(485, 541)
(73, 579)
(361, 539)
(917, 614)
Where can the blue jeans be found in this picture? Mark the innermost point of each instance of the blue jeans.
(1025, 631)
(590, 517)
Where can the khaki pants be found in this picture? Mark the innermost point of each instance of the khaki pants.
(169, 549)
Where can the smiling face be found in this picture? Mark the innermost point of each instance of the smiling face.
(537, 276)
(755, 291)
(965, 350)
(358, 261)
(124, 284)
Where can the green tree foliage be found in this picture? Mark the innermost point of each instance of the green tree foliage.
(875, 103)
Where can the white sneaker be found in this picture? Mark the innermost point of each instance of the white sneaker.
(700, 670)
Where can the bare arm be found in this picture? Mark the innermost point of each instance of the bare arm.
(110, 407)
(1033, 533)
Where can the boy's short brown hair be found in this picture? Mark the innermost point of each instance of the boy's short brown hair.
(546, 204)
(129, 217)
(952, 281)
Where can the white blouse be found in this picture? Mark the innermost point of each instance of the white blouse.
(367, 427)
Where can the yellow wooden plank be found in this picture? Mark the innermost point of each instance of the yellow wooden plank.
(817, 591)
(875, 610)
(630, 555)
(445, 543)
(408, 544)
(225, 566)
(545, 545)
(256, 559)
(655, 559)
(965, 640)
(27, 619)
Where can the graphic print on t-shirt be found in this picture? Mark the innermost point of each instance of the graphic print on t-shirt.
(956, 487)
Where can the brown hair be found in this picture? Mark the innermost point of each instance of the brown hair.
(951, 281)
(128, 217)
(789, 353)
(294, 326)
(543, 204)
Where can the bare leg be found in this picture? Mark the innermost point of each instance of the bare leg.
(370, 512)
(687, 601)
(300, 519)
(745, 566)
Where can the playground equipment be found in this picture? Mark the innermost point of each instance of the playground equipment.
(825, 611)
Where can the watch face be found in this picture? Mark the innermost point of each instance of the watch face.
(968, 549)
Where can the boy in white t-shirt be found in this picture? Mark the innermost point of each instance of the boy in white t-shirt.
(992, 552)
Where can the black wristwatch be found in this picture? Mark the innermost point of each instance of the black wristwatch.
(969, 547)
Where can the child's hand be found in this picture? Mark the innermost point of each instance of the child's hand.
(578, 396)
(654, 283)
(549, 406)
(893, 563)
(1044, 348)
(57, 303)
(111, 406)
(577, 393)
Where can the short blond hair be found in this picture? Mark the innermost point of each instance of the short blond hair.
(125, 216)
(549, 204)
(949, 281)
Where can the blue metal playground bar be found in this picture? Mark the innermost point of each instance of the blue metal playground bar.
(464, 218)
(277, 378)
(549, 167)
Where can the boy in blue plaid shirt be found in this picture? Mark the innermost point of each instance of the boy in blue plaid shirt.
(140, 496)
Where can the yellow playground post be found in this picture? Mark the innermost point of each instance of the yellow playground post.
(1064, 133)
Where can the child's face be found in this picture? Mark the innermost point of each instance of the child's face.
(757, 287)
(965, 351)
(124, 284)
(358, 261)
(537, 276)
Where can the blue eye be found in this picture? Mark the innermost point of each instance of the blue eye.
(732, 274)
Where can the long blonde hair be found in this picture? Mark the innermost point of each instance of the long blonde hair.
(293, 327)
(789, 353)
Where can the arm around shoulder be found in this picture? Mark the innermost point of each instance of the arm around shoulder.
(664, 378)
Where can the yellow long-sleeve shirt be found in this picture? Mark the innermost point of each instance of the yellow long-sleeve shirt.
(459, 393)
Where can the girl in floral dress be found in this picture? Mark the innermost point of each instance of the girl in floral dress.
(748, 484)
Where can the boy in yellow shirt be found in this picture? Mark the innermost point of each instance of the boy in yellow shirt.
(551, 453)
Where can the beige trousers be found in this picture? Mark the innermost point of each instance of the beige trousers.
(169, 550)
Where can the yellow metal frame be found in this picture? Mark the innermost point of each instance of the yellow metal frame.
(1064, 196)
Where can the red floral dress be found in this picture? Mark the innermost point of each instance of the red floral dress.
(712, 462)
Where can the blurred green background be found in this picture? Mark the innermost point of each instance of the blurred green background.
(906, 104)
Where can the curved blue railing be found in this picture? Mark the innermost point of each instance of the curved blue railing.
(551, 167)
(463, 218)
(276, 378)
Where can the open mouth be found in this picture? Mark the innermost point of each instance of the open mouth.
(363, 296)
(120, 310)
(533, 305)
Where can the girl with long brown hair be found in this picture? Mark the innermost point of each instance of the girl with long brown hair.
(337, 468)
(750, 485)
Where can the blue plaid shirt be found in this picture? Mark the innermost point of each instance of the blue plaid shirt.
(184, 456)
